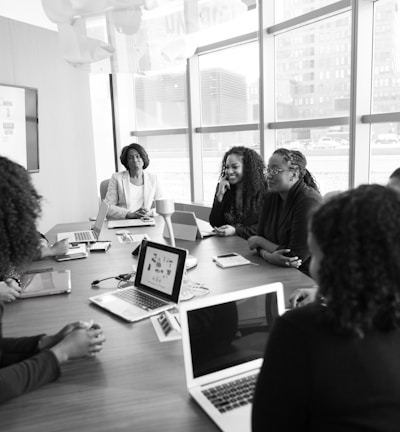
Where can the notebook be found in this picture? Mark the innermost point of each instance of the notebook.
(224, 339)
(122, 223)
(44, 282)
(187, 227)
(87, 236)
(157, 284)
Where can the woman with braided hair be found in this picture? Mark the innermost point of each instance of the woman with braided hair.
(282, 227)
(239, 193)
(333, 366)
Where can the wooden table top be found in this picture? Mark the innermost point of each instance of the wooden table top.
(136, 383)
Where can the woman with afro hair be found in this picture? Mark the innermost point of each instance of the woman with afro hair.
(282, 227)
(333, 365)
(29, 362)
(239, 193)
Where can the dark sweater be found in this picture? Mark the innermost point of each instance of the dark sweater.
(22, 367)
(314, 379)
(286, 222)
(226, 213)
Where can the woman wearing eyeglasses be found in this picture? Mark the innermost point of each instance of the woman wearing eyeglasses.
(239, 193)
(282, 227)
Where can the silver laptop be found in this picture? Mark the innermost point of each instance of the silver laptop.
(187, 227)
(224, 339)
(125, 223)
(157, 284)
(87, 236)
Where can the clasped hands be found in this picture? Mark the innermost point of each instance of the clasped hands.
(76, 340)
(9, 290)
(280, 257)
(142, 212)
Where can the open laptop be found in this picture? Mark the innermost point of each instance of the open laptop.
(125, 223)
(224, 339)
(157, 284)
(87, 236)
(187, 227)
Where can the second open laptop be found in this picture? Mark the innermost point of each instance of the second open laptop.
(87, 236)
(187, 227)
(157, 284)
(224, 339)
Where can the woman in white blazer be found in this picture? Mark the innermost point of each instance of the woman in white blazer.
(131, 193)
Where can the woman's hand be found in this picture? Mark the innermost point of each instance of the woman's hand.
(80, 343)
(138, 213)
(223, 186)
(278, 258)
(9, 290)
(254, 242)
(58, 248)
(49, 341)
(225, 230)
(303, 296)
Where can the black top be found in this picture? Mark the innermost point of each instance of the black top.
(22, 367)
(226, 213)
(314, 379)
(286, 222)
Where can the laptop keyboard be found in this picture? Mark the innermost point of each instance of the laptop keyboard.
(231, 395)
(83, 236)
(139, 299)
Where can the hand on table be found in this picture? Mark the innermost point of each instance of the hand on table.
(142, 212)
(278, 258)
(303, 296)
(225, 230)
(9, 290)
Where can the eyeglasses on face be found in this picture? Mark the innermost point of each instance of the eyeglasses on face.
(275, 171)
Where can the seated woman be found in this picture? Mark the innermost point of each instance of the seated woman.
(239, 193)
(334, 367)
(282, 227)
(131, 193)
(29, 362)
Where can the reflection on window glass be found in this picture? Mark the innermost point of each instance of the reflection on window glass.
(214, 147)
(313, 70)
(169, 159)
(161, 100)
(385, 151)
(243, 23)
(229, 85)
(286, 9)
(327, 153)
(386, 76)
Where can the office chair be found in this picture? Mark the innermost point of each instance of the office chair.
(103, 188)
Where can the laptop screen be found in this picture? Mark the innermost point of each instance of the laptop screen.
(231, 333)
(101, 215)
(160, 269)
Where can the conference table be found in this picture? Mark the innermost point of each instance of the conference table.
(136, 383)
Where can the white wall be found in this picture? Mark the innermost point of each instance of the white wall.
(29, 56)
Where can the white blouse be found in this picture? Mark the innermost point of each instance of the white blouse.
(136, 197)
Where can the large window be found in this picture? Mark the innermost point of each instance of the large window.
(326, 82)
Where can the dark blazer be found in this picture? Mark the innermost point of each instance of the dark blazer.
(286, 222)
(314, 379)
(22, 367)
(224, 213)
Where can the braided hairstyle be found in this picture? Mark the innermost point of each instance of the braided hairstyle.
(297, 160)
(358, 233)
(19, 210)
(254, 183)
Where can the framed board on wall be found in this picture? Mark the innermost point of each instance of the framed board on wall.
(19, 132)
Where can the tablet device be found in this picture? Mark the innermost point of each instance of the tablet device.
(44, 282)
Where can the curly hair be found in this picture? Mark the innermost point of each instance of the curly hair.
(254, 184)
(299, 161)
(142, 152)
(358, 232)
(19, 210)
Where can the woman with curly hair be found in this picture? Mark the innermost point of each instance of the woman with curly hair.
(29, 362)
(334, 366)
(239, 193)
(131, 193)
(282, 227)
